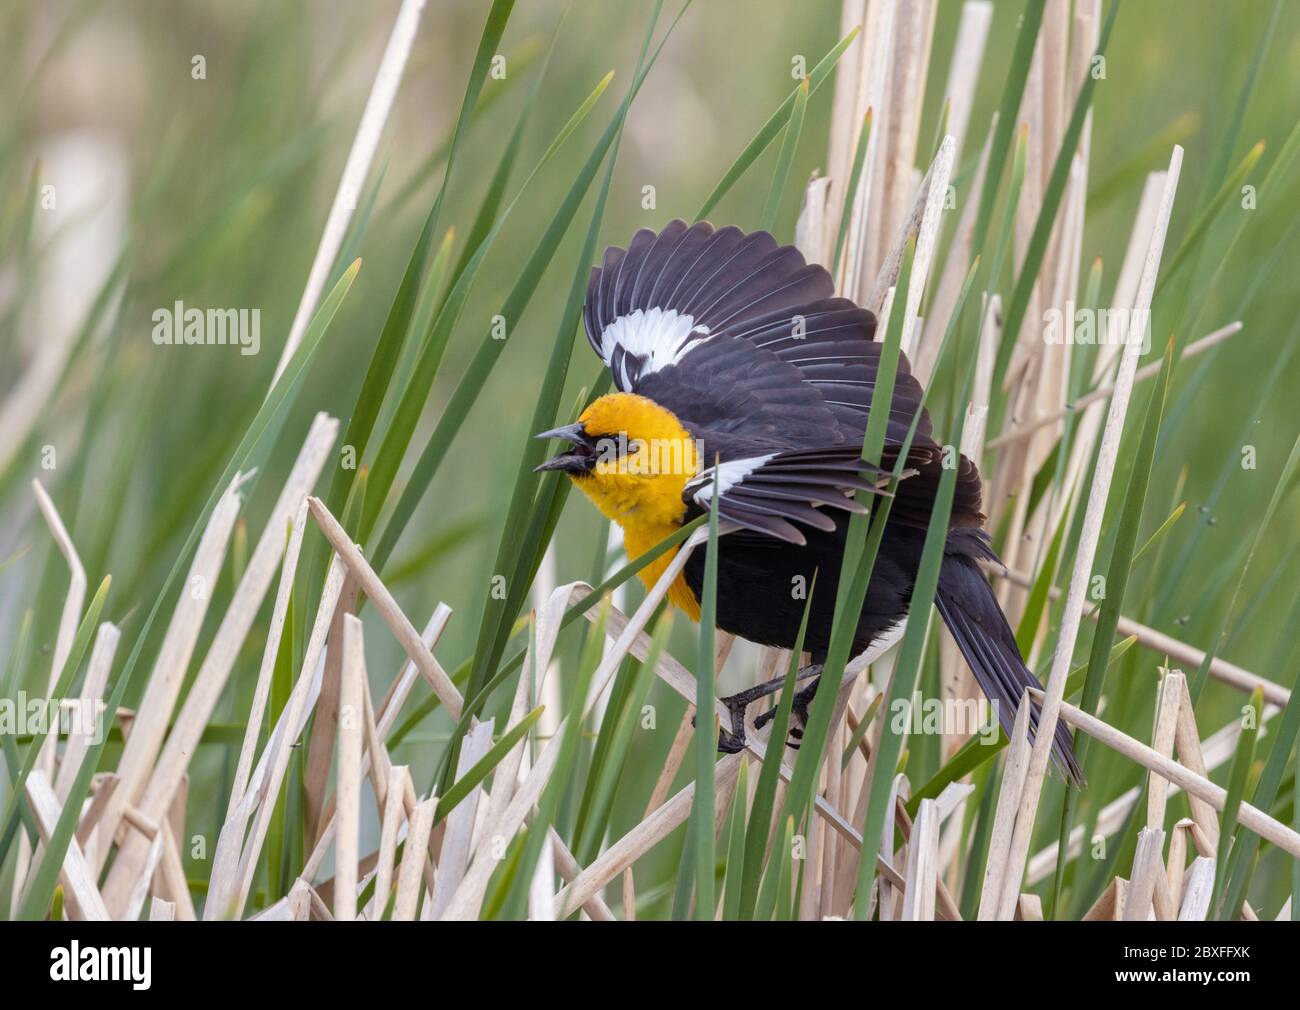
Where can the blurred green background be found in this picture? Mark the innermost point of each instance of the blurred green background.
(224, 184)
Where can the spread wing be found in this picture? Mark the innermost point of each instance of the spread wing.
(745, 343)
(768, 493)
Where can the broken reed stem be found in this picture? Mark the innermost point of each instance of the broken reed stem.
(1019, 849)
(360, 570)
(1196, 785)
(347, 836)
(1177, 650)
(210, 681)
(1026, 428)
(366, 141)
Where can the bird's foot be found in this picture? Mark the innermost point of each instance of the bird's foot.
(731, 741)
(798, 709)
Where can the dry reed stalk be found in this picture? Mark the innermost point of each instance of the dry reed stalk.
(896, 820)
(924, 223)
(210, 681)
(416, 650)
(1176, 864)
(1162, 897)
(1029, 908)
(833, 780)
(638, 841)
(671, 766)
(964, 70)
(1198, 890)
(1103, 391)
(83, 898)
(380, 763)
(349, 770)
(103, 785)
(1250, 817)
(956, 265)
(1187, 739)
(170, 882)
(541, 889)
(399, 781)
(453, 858)
(913, 34)
(161, 911)
(1086, 551)
(922, 864)
(296, 906)
(235, 861)
(891, 22)
(846, 116)
(410, 874)
(858, 262)
(814, 235)
(1017, 767)
(149, 726)
(1178, 651)
(382, 92)
(392, 704)
(1109, 905)
(1147, 868)
(324, 729)
(1219, 748)
(140, 889)
(75, 597)
(1124, 298)
(386, 606)
(262, 689)
(1050, 390)
(1168, 703)
(91, 701)
(69, 619)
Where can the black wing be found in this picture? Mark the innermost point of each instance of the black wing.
(770, 492)
(744, 342)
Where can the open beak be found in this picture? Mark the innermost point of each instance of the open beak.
(580, 457)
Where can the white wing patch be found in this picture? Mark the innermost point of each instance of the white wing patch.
(730, 474)
(650, 340)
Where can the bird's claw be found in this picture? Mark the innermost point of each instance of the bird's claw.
(732, 741)
(798, 715)
(729, 742)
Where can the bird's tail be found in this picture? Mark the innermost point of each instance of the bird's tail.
(970, 610)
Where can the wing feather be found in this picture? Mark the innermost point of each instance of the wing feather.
(748, 346)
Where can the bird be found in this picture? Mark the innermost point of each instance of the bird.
(737, 371)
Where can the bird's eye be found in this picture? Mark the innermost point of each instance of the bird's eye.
(617, 446)
(608, 448)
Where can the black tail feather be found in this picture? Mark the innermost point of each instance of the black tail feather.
(970, 610)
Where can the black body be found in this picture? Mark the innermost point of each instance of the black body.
(763, 586)
(748, 347)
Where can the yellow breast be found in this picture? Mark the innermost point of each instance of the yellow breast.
(638, 540)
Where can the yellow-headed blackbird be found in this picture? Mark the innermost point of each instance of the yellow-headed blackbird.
(726, 346)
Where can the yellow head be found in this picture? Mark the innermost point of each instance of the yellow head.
(632, 458)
